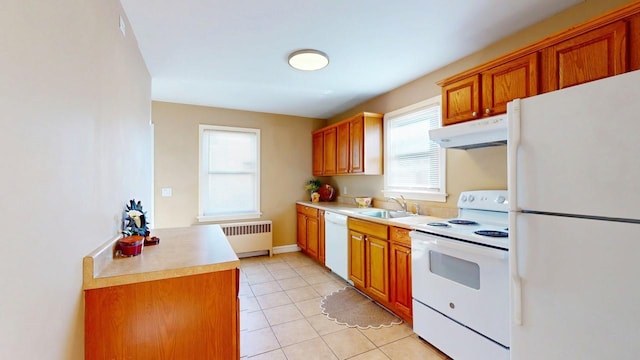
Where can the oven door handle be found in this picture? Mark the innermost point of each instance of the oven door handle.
(475, 249)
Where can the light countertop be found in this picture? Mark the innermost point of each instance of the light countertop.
(352, 211)
(181, 252)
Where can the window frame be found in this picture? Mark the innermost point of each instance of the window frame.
(203, 173)
(439, 195)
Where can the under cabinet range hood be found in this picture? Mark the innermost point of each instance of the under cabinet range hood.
(473, 134)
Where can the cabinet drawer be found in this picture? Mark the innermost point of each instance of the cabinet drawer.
(369, 228)
(307, 210)
(399, 235)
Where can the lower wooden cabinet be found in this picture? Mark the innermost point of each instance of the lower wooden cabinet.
(357, 258)
(400, 273)
(369, 258)
(377, 267)
(311, 231)
(188, 317)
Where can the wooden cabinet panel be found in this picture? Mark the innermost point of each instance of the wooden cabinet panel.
(501, 84)
(302, 231)
(594, 55)
(400, 235)
(321, 237)
(400, 282)
(330, 149)
(377, 267)
(357, 258)
(189, 317)
(368, 227)
(307, 210)
(461, 100)
(318, 154)
(312, 237)
(311, 231)
(343, 155)
(634, 43)
(356, 142)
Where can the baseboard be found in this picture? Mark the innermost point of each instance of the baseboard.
(285, 249)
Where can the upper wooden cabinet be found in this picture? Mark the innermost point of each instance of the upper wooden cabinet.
(318, 154)
(515, 79)
(351, 146)
(329, 151)
(461, 100)
(604, 46)
(487, 93)
(595, 55)
(343, 154)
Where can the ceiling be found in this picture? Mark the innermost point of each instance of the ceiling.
(233, 54)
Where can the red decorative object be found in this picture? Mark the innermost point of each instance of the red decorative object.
(149, 241)
(131, 245)
(327, 193)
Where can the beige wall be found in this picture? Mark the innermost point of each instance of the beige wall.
(76, 145)
(472, 169)
(285, 162)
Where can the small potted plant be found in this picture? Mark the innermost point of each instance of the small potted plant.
(312, 187)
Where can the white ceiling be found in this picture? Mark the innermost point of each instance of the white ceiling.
(233, 53)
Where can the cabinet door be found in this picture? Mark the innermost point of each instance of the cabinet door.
(318, 154)
(357, 258)
(400, 282)
(343, 148)
(330, 147)
(515, 79)
(461, 100)
(595, 55)
(321, 237)
(302, 231)
(377, 267)
(634, 42)
(312, 237)
(356, 137)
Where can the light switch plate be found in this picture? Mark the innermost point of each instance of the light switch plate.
(167, 192)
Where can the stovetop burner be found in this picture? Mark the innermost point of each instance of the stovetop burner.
(462, 222)
(438, 224)
(492, 233)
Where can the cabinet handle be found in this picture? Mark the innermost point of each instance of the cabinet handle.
(487, 111)
(474, 114)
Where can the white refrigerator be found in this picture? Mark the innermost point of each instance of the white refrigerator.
(574, 222)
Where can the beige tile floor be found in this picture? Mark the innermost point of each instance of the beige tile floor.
(280, 317)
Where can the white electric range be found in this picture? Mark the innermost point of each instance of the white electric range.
(460, 278)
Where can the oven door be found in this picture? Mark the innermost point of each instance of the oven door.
(466, 282)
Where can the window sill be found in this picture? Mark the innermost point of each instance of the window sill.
(417, 195)
(225, 217)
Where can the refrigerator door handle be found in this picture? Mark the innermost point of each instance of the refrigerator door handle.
(513, 142)
(516, 281)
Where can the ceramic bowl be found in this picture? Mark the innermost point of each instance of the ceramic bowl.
(362, 202)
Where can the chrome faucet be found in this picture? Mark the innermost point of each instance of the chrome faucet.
(403, 203)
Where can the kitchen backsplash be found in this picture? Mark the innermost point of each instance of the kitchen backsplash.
(426, 207)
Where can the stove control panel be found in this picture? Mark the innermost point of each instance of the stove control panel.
(493, 200)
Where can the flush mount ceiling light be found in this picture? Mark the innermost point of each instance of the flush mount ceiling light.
(308, 60)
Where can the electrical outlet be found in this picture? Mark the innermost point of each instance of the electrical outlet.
(344, 190)
(167, 192)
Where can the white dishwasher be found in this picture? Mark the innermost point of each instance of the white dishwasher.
(336, 244)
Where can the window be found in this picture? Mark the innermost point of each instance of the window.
(229, 173)
(414, 165)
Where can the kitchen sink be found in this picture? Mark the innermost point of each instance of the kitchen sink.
(385, 214)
